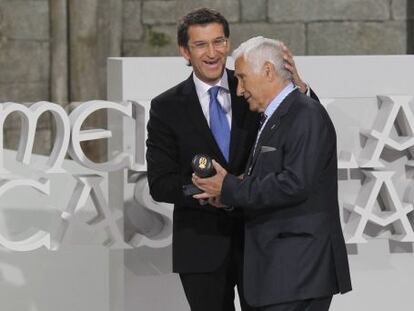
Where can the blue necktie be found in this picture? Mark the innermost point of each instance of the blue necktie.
(218, 123)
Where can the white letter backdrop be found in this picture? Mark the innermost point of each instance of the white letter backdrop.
(79, 235)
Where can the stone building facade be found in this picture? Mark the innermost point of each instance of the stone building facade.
(56, 50)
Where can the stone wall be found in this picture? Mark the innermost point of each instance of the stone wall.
(309, 27)
(24, 62)
(24, 50)
(56, 49)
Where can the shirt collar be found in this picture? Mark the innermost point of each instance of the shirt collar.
(274, 104)
(202, 87)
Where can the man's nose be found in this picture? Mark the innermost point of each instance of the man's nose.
(211, 50)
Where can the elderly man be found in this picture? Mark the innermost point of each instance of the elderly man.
(294, 252)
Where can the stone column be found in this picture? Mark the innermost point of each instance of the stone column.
(410, 27)
(59, 73)
(95, 28)
(83, 37)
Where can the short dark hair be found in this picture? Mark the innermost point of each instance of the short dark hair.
(200, 16)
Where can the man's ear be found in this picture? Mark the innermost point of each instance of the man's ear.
(269, 70)
(185, 53)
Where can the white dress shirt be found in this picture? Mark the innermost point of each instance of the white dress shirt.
(223, 96)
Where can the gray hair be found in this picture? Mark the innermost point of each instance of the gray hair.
(258, 50)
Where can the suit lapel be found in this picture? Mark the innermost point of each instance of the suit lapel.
(271, 127)
(196, 116)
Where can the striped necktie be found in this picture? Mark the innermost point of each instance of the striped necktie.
(262, 120)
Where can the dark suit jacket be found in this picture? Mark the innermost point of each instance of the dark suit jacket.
(178, 130)
(294, 247)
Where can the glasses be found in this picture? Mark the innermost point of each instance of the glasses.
(218, 43)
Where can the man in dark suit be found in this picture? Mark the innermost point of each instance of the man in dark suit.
(191, 119)
(294, 252)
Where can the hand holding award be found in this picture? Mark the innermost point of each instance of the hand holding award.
(203, 167)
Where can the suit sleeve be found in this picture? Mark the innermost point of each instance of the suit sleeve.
(164, 178)
(309, 149)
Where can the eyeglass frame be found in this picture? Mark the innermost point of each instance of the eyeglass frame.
(218, 43)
